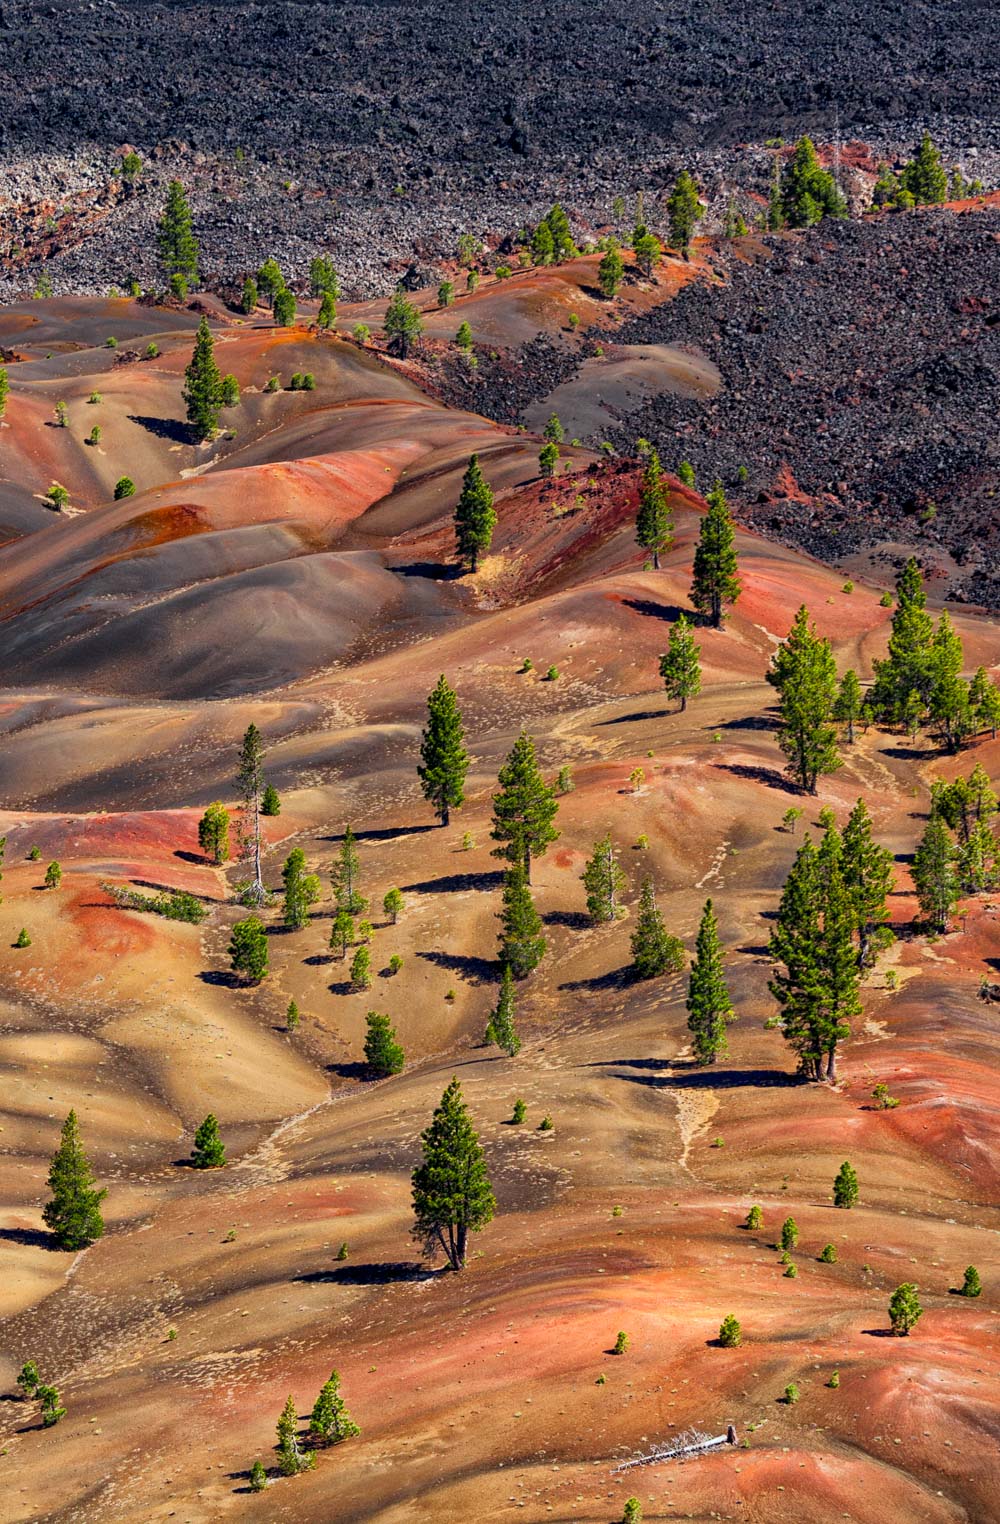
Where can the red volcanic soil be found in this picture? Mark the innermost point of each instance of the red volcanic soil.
(300, 576)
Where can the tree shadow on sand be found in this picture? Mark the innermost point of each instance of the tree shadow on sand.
(457, 883)
(31, 1238)
(768, 775)
(164, 428)
(618, 978)
(389, 833)
(681, 1074)
(653, 610)
(368, 1275)
(573, 920)
(474, 970)
(437, 571)
(222, 980)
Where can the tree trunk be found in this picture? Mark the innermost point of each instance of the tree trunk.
(463, 1234)
(445, 814)
(258, 878)
(831, 1066)
(527, 864)
(684, 702)
(656, 560)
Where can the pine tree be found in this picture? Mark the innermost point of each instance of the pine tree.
(383, 1054)
(213, 832)
(679, 665)
(647, 249)
(29, 1380)
(452, 1196)
(542, 244)
(925, 177)
(979, 860)
(845, 1187)
(808, 192)
(250, 785)
(361, 969)
(270, 801)
(203, 385)
(909, 666)
(847, 705)
(330, 1422)
(323, 278)
(248, 296)
(935, 876)
(500, 1028)
(611, 272)
(654, 527)
(4, 389)
(475, 516)
(341, 933)
(402, 324)
(904, 1309)
(292, 1017)
(302, 890)
(444, 759)
(685, 211)
(548, 459)
(257, 1480)
(730, 1332)
(604, 882)
(553, 430)
(521, 943)
(715, 580)
(52, 1408)
(868, 879)
(124, 487)
(392, 904)
(984, 696)
(73, 1214)
(248, 949)
(270, 280)
(283, 308)
(804, 674)
(345, 876)
(209, 1151)
(524, 808)
(654, 950)
(708, 1003)
(291, 1459)
(178, 248)
(971, 1284)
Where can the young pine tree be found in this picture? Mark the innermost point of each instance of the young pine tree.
(845, 1187)
(329, 1421)
(904, 1309)
(604, 882)
(213, 832)
(500, 1028)
(847, 705)
(291, 1459)
(250, 787)
(909, 666)
(804, 674)
(178, 248)
(654, 527)
(444, 760)
(685, 211)
(715, 580)
(203, 386)
(524, 808)
(345, 876)
(521, 943)
(611, 272)
(403, 324)
(475, 516)
(73, 1215)
(248, 951)
(708, 1003)
(383, 1054)
(679, 665)
(452, 1196)
(209, 1150)
(302, 890)
(341, 933)
(654, 950)
(935, 874)
(868, 878)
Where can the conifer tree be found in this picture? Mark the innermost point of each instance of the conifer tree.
(257, 1480)
(302, 890)
(966, 802)
(248, 950)
(52, 1408)
(925, 177)
(521, 943)
(209, 1151)
(403, 324)
(553, 430)
(904, 1309)
(392, 904)
(500, 1028)
(847, 705)
(524, 808)
(685, 211)
(715, 579)
(475, 516)
(909, 666)
(443, 757)
(341, 933)
(935, 876)
(708, 1003)
(248, 296)
(124, 487)
(979, 860)
(611, 272)
(383, 1054)
(868, 879)
(283, 308)
(654, 526)
(548, 459)
(808, 192)
(604, 882)
(542, 244)
(971, 1284)
(452, 1196)
(270, 801)
(323, 278)
(803, 672)
(4, 389)
(327, 315)
(250, 786)
(213, 832)
(178, 248)
(330, 1422)
(984, 697)
(270, 280)
(203, 385)
(679, 665)
(29, 1380)
(647, 249)
(291, 1459)
(654, 950)
(361, 969)
(345, 876)
(845, 1187)
(73, 1214)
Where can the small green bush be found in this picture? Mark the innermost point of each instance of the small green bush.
(730, 1332)
(791, 1393)
(519, 1113)
(828, 1256)
(621, 1343)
